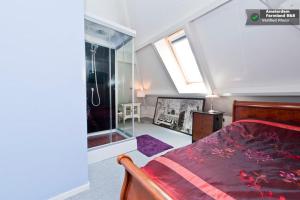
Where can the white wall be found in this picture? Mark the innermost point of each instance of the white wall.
(112, 10)
(43, 131)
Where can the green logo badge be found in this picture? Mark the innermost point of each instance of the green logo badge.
(255, 17)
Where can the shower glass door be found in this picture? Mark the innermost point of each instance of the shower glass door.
(100, 98)
(109, 75)
(124, 87)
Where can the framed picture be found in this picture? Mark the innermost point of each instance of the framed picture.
(176, 113)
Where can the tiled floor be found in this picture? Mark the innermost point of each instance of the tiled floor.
(106, 176)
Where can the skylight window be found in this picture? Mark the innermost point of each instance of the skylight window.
(177, 56)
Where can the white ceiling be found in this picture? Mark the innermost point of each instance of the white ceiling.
(151, 17)
(281, 3)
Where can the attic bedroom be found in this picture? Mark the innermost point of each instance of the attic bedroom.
(150, 100)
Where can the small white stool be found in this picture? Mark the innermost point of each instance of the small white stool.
(127, 109)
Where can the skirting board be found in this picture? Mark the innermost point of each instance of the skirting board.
(72, 192)
(109, 151)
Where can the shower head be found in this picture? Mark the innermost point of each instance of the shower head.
(94, 48)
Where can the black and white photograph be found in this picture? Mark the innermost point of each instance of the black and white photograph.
(176, 113)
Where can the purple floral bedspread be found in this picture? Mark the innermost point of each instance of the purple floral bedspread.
(246, 160)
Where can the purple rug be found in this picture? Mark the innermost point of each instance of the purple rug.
(150, 146)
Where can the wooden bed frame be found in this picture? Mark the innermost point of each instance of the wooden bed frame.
(137, 186)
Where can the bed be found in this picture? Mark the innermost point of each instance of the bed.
(256, 157)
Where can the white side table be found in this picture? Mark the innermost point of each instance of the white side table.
(128, 108)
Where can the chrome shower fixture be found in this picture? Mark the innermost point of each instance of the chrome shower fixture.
(94, 48)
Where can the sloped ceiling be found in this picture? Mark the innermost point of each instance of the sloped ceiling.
(239, 59)
(274, 3)
(151, 17)
(249, 59)
(151, 74)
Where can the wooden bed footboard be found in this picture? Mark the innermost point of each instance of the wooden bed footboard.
(137, 185)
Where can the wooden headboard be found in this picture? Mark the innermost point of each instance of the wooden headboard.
(287, 113)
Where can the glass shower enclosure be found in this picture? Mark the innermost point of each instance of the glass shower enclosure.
(109, 83)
